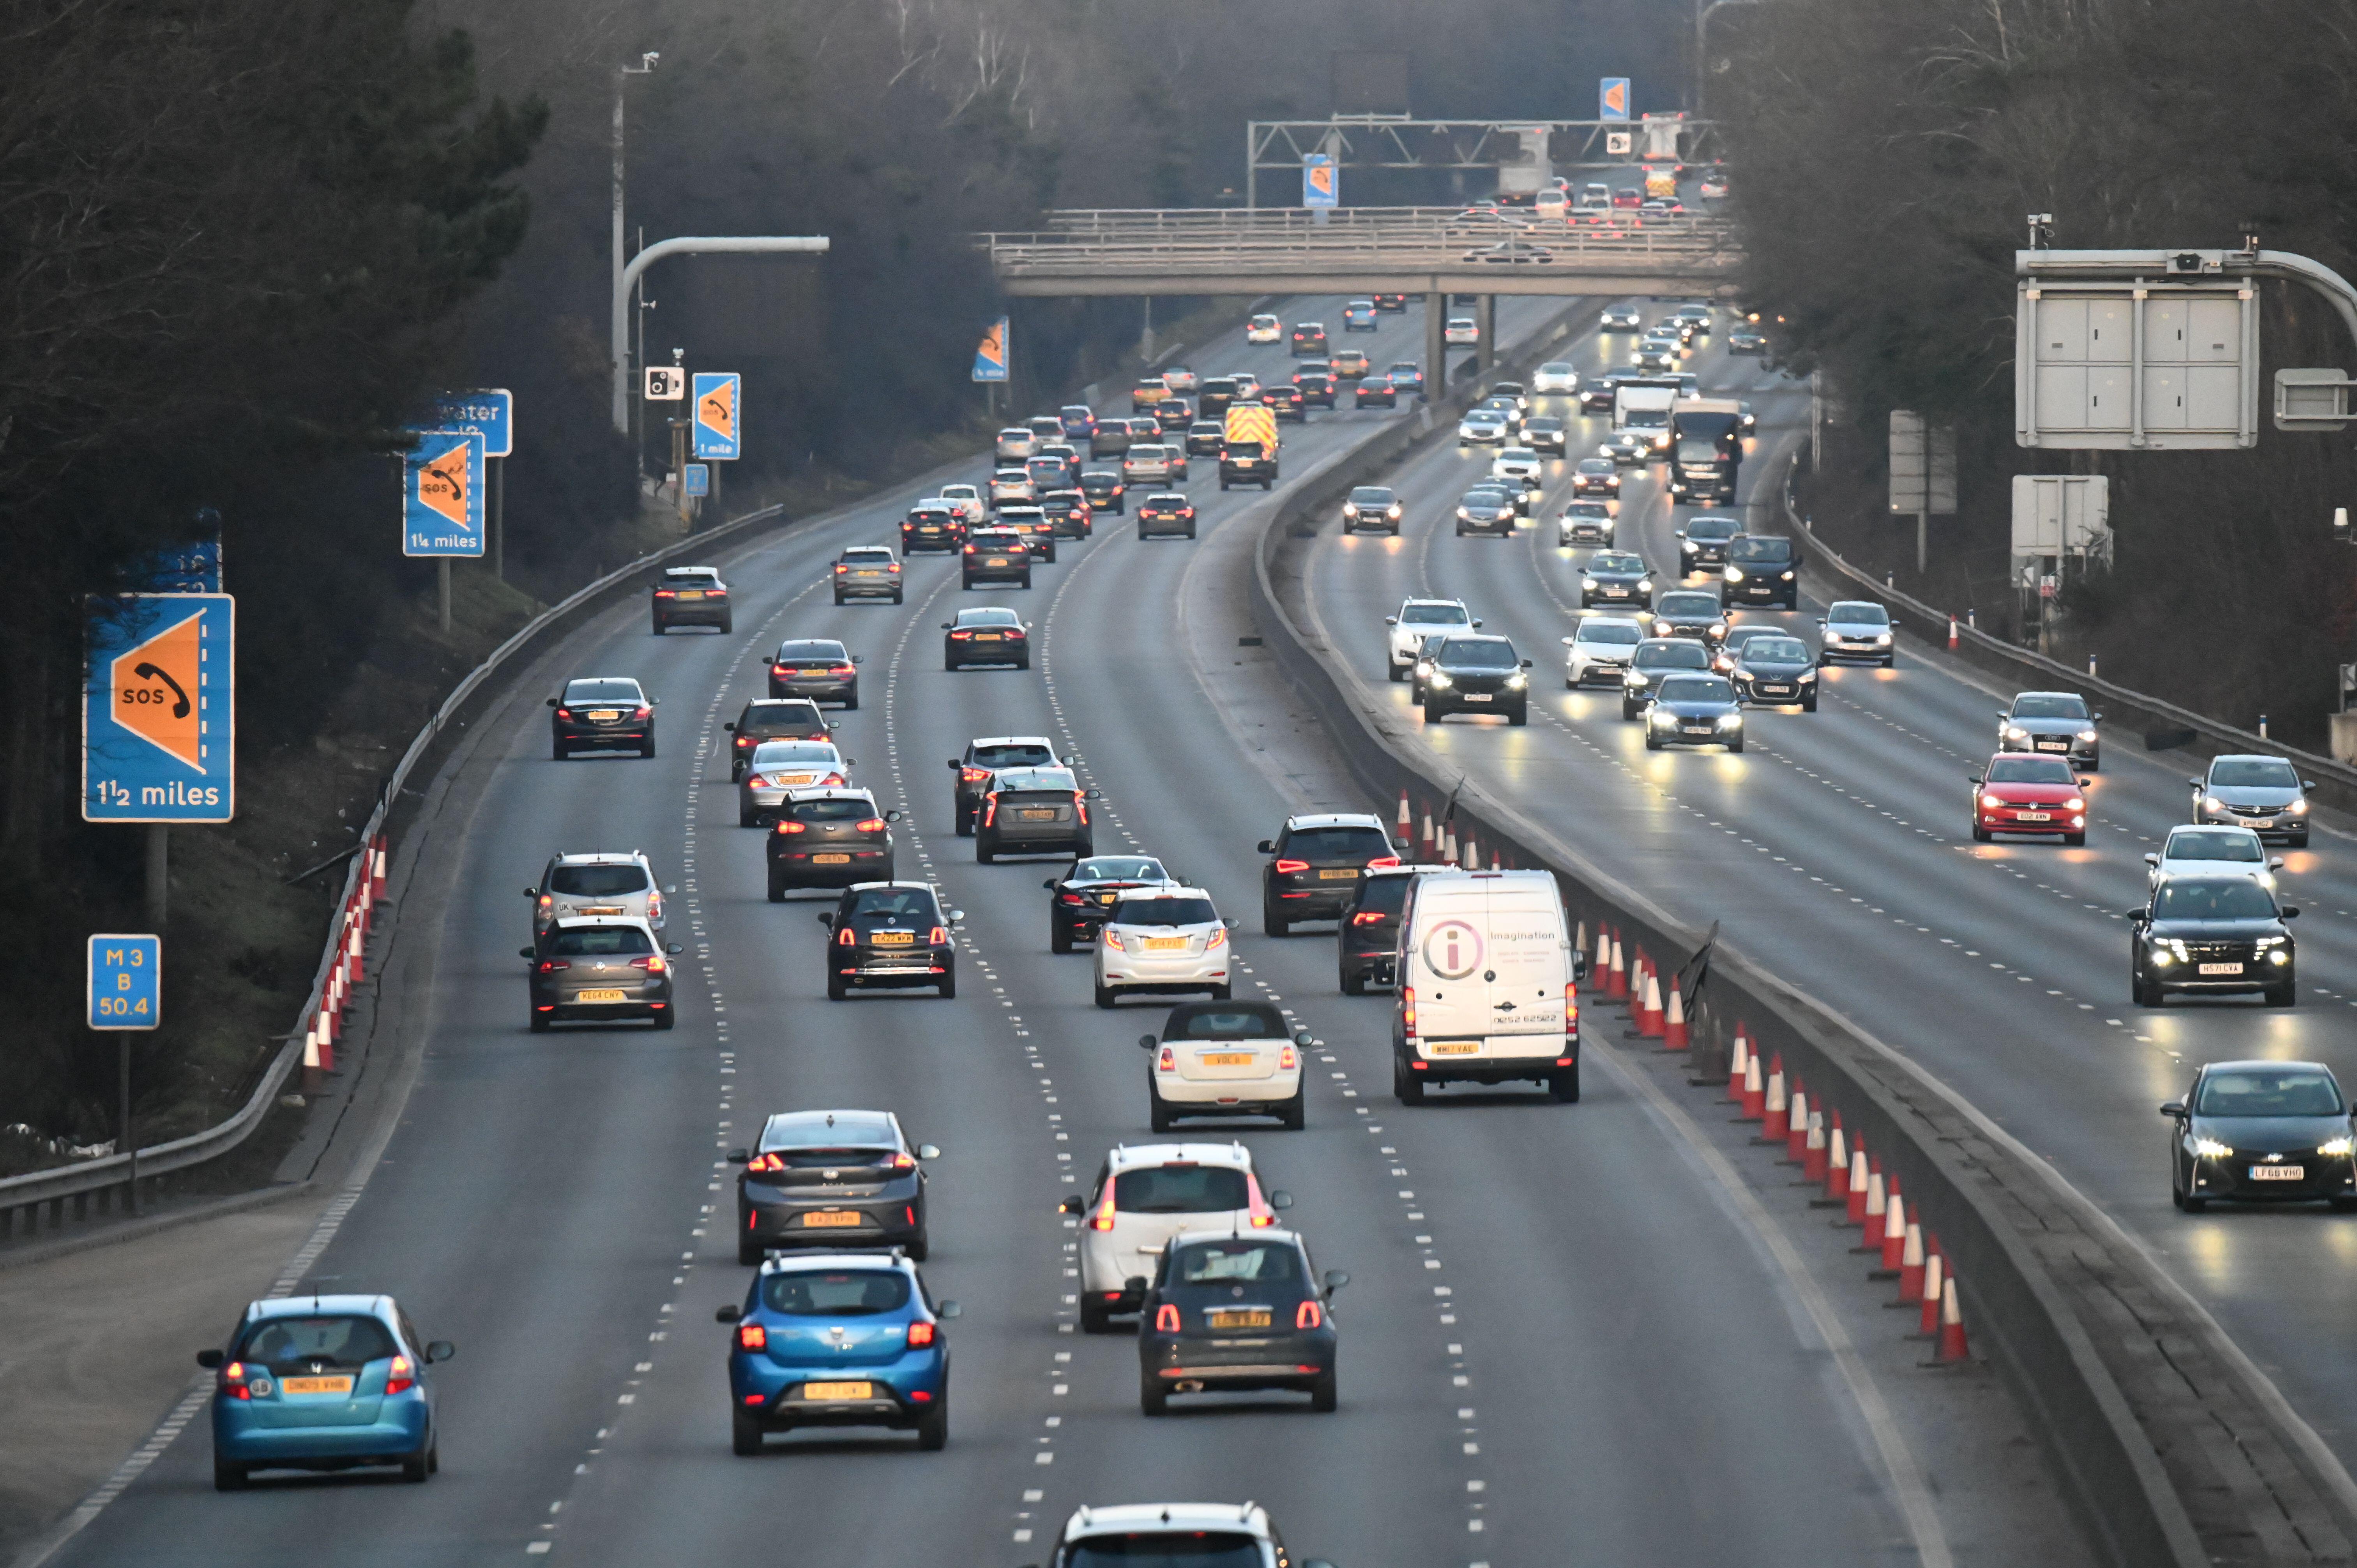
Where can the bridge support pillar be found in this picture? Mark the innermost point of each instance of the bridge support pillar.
(1436, 348)
(1488, 318)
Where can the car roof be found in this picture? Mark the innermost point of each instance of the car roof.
(823, 1117)
(577, 680)
(1629, 621)
(891, 1258)
(2262, 1063)
(827, 741)
(1012, 740)
(599, 857)
(1128, 1518)
(1140, 1157)
(380, 1306)
(1335, 818)
(1840, 604)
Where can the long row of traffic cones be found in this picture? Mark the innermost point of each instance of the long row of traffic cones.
(1440, 843)
(347, 968)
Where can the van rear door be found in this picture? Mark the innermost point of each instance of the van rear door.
(1526, 968)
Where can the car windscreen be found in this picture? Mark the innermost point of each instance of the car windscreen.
(579, 692)
(1472, 653)
(1488, 496)
(1775, 650)
(895, 903)
(811, 652)
(1713, 527)
(292, 1344)
(1357, 845)
(2045, 708)
(1672, 656)
(1687, 607)
(1698, 689)
(1236, 1262)
(1623, 565)
(2030, 770)
(2252, 773)
(834, 1130)
(1517, 454)
(1745, 552)
(1383, 896)
(1119, 868)
(1434, 615)
(1858, 612)
(779, 718)
(846, 1292)
(1546, 424)
(599, 942)
(2240, 845)
(2235, 901)
(1226, 1021)
(1625, 636)
(832, 808)
(1164, 912)
(1013, 755)
(597, 881)
(2269, 1091)
(1595, 464)
(1181, 1189)
(1371, 495)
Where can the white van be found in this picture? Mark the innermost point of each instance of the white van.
(1487, 971)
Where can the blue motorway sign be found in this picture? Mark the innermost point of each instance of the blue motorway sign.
(1320, 184)
(699, 478)
(711, 417)
(442, 494)
(1612, 98)
(126, 981)
(159, 709)
(489, 411)
(990, 354)
(191, 568)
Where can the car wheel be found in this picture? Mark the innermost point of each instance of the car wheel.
(1809, 704)
(1981, 834)
(948, 987)
(1432, 713)
(964, 822)
(1152, 1397)
(2284, 995)
(1735, 747)
(1564, 1086)
(1059, 935)
(1104, 996)
(2147, 993)
(666, 1018)
(1891, 663)
(1518, 717)
(1460, 530)
(2343, 1204)
(540, 1023)
(728, 626)
(649, 748)
(1191, 531)
(744, 1434)
(1157, 1112)
(556, 751)
(1024, 662)
(918, 1250)
(2196, 1205)
(1222, 992)
(1406, 1087)
(1652, 742)
(896, 599)
(1324, 1395)
(1294, 1114)
(851, 698)
(933, 1427)
(2300, 843)
(416, 1468)
(2176, 1193)
(835, 988)
(1353, 984)
(1271, 924)
(1095, 1316)
(228, 1478)
(1628, 711)
(2075, 840)
(661, 628)
(984, 854)
(746, 819)
(838, 601)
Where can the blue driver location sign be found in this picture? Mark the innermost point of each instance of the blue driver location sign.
(126, 981)
(489, 411)
(442, 494)
(159, 713)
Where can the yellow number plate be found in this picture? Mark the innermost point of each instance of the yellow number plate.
(989, 636)
(691, 593)
(1338, 876)
(993, 561)
(601, 996)
(838, 1390)
(1238, 1317)
(1044, 816)
(892, 938)
(316, 1385)
(1230, 1059)
(1165, 944)
(832, 1219)
(602, 714)
(830, 860)
(1452, 1047)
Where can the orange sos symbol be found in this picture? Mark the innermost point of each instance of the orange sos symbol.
(156, 686)
(717, 410)
(442, 483)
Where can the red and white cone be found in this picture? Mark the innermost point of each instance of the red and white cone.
(1952, 1348)
(1935, 1275)
(1838, 1162)
(1472, 859)
(1754, 1092)
(1877, 1204)
(1406, 819)
(1775, 1110)
(1599, 969)
(1448, 847)
(1649, 1007)
(1737, 1065)
(1951, 634)
(1812, 1151)
(1616, 988)
(1910, 1264)
(376, 874)
(1424, 840)
(1894, 1230)
(1863, 1184)
(1674, 1022)
(1796, 1128)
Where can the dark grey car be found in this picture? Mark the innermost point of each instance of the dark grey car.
(1694, 710)
(1776, 670)
(2266, 794)
(1034, 811)
(830, 1179)
(600, 969)
(2268, 1132)
(1485, 510)
(820, 668)
(1655, 658)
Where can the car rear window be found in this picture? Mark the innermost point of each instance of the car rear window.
(597, 881)
(868, 555)
(1226, 1021)
(1175, 1549)
(848, 1292)
(2030, 770)
(797, 717)
(1164, 912)
(988, 618)
(1236, 1262)
(834, 1130)
(578, 692)
(770, 753)
(1013, 756)
(2257, 1091)
(2252, 773)
(1359, 844)
(292, 1344)
(599, 941)
(832, 810)
(811, 652)
(896, 903)
(1181, 1189)
(1383, 896)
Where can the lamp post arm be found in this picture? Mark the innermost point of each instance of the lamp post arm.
(768, 244)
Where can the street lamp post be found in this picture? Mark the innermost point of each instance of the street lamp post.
(1702, 47)
(618, 343)
(622, 75)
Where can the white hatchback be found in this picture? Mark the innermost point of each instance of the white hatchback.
(1555, 376)
(1144, 1195)
(1159, 941)
(2214, 852)
(1600, 650)
(1263, 329)
(1461, 330)
(1417, 620)
(1226, 1059)
(966, 501)
(1516, 463)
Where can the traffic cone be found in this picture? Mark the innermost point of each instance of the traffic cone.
(1737, 1064)
(1869, 1211)
(1424, 840)
(1617, 988)
(1755, 1091)
(377, 874)
(1951, 634)
(1894, 1232)
(1837, 1163)
(1495, 864)
(1935, 1275)
(1861, 1186)
(1649, 1007)
(352, 946)
(1673, 1024)
(1812, 1152)
(1953, 1348)
(1580, 946)
(1775, 1110)
(1406, 821)
(1472, 859)
(1910, 1267)
(1796, 1130)
(1448, 853)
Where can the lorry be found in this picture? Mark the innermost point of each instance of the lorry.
(1662, 181)
(1248, 446)
(1642, 403)
(1706, 449)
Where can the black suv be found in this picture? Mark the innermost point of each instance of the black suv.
(983, 757)
(995, 555)
(889, 934)
(771, 718)
(601, 713)
(1316, 387)
(691, 595)
(1477, 674)
(1079, 901)
(1366, 934)
(2215, 934)
(829, 838)
(1315, 865)
(1217, 393)
(830, 1179)
(1763, 569)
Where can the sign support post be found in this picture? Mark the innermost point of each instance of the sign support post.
(125, 991)
(159, 870)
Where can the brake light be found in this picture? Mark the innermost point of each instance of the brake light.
(1309, 1315)
(1570, 1010)
(564, 712)
(549, 965)
(789, 827)
(840, 567)
(1166, 1318)
(1070, 898)
(746, 740)
(1103, 1221)
(1081, 804)
(1407, 1011)
(841, 671)
(642, 713)
(972, 548)
(752, 1336)
(233, 1381)
(973, 774)
(893, 567)
(1382, 860)
(1169, 1060)
(834, 779)
(1216, 939)
(868, 825)
(1286, 1061)
(1368, 917)
(652, 963)
(715, 592)
(920, 1336)
(1112, 938)
(546, 900)
(758, 782)
(401, 1377)
(960, 636)
(1263, 1215)
(764, 1163)
(663, 593)
(843, 937)
(990, 811)
(903, 1163)
(1288, 867)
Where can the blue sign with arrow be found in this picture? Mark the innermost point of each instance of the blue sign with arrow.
(159, 709)
(442, 494)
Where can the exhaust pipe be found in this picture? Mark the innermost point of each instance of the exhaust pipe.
(1188, 1386)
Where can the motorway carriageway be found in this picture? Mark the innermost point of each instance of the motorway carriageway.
(1837, 851)
(1563, 1342)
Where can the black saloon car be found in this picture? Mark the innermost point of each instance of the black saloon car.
(2213, 934)
(818, 668)
(891, 934)
(830, 1179)
(1703, 541)
(1104, 488)
(601, 713)
(1079, 901)
(1167, 512)
(1374, 391)
(829, 838)
(1487, 509)
(1228, 1313)
(1775, 670)
(985, 636)
(2268, 1132)
(933, 527)
(1478, 675)
(1315, 865)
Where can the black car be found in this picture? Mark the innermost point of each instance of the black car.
(1067, 514)
(818, 668)
(830, 1179)
(1747, 340)
(991, 636)
(1655, 659)
(691, 595)
(1230, 1313)
(933, 527)
(1690, 612)
(1204, 436)
(995, 555)
(1618, 578)
(1392, 304)
(2264, 1132)
(1245, 463)
(1030, 525)
(1034, 811)
(1544, 433)
(1172, 413)
(983, 757)
(1216, 394)
(1763, 569)
(2213, 934)
(1487, 508)
(1774, 669)
(599, 968)
(771, 718)
(1316, 387)
(601, 713)
(1104, 489)
(1287, 402)
(1366, 935)
(829, 838)
(891, 934)
(1375, 508)
(1167, 512)
(1079, 901)
(1308, 340)
(1597, 396)
(1703, 541)
(1374, 391)
(1315, 865)
(1693, 709)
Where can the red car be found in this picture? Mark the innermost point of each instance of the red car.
(2023, 794)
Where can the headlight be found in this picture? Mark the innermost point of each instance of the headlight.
(2279, 955)
(1350, 510)
(1517, 681)
(1464, 513)
(1645, 586)
(1687, 546)
(1393, 511)
(1633, 680)
(2335, 1147)
(2212, 803)
(2013, 734)
(1718, 629)
(2074, 804)
(1587, 584)
(1787, 577)
(1808, 675)
(2298, 808)
(1438, 678)
(1991, 802)
(2211, 1149)
(2163, 958)
(1657, 714)
(2267, 942)
(1730, 721)
(1735, 573)
(2175, 945)
(2087, 735)
(1881, 639)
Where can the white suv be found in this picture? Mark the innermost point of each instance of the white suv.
(575, 885)
(1145, 1194)
(1555, 376)
(1600, 650)
(1420, 618)
(1226, 1059)
(1174, 1535)
(1158, 940)
(1263, 329)
(1522, 463)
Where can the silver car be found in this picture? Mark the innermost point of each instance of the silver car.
(1016, 443)
(780, 768)
(2266, 794)
(2214, 852)
(1856, 630)
(2056, 723)
(620, 884)
(1481, 428)
(1154, 460)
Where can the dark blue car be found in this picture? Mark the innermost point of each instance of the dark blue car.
(1694, 710)
(323, 1382)
(845, 1339)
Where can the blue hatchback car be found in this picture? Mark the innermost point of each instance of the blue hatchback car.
(324, 1382)
(1359, 315)
(838, 1339)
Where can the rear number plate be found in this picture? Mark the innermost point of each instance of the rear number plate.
(838, 1390)
(316, 1385)
(2258, 1173)
(993, 561)
(2222, 969)
(989, 636)
(1229, 1058)
(604, 715)
(830, 860)
(1165, 944)
(691, 593)
(601, 996)
(892, 938)
(1452, 1047)
(1237, 1317)
(1338, 876)
(831, 1219)
(1042, 816)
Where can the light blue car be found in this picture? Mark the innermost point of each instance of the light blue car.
(324, 1382)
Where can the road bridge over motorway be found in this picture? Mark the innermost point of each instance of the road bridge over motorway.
(1432, 250)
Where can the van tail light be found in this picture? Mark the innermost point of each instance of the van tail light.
(1309, 1315)
(1382, 860)
(1407, 1011)
(233, 1381)
(866, 826)
(1104, 1219)
(786, 826)
(1288, 867)
(1368, 917)
(1166, 1318)
(1571, 1008)
(652, 963)
(550, 965)
(1168, 1061)
(752, 1336)
(920, 1336)
(401, 1377)
(1287, 1060)
(844, 938)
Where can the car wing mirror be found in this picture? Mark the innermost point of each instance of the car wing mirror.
(851, 762)
(1229, 922)
(1526, 663)
(740, 1156)
(1072, 1205)
(728, 1314)
(730, 726)
(2086, 783)
(1302, 1037)
(673, 948)
(947, 627)
(2289, 912)
(1391, 620)
(1335, 1280)
(210, 1359)
(2274, 864)
(2193, 783)
(954, 763)
(1477, 625)
(523, 952)
(532, 892)
(2305, 783)
(827, 919)
(929, 1151)
(1567, 643)
(2133, 917)
(1135, 1282)
(1093, 794)
(1280, 1198)
(893, 815)
(671, 886)
(1147, 1042)
(947, 1310)
(2152, 860)
(440, 1350)
(1266, 846)
(2173, 1109)
(956, 915)
(552, 701)
(1972, 778)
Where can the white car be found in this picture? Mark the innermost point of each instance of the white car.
(2214, 852)
(1856, 629)
(1159, 940)
(1516, 463)
(1144, 1195)
(1586, 522)
(967, 502)
(1461, 330)
(1247, 385)
(1481, 428)
(1015, 444)
(1600, 650)
(1179, 378)
(1154, 1534)
(778, 767)
(580, 886)
(1263, 329)
(1555, 376)
(1012, 487)
(1420, 618)
(1162, 462)
(1226, 1059)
